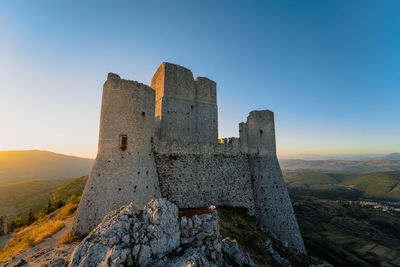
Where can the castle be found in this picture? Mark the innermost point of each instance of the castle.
(162, 141)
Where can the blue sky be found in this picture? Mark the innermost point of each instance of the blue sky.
(328, 69)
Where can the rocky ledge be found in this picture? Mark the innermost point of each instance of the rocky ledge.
(158, 236)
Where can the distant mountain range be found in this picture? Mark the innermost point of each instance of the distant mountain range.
(36, 164)
(385, 163)
(393, 156)
(357, 157)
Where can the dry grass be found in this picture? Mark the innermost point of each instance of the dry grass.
(32, 235)
(67, 211)
(69, 238)
(29, 237)
(239, 225)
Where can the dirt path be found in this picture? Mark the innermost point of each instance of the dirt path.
(49, 249)
(4, 239)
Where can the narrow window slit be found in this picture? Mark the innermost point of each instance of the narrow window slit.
(123, 139)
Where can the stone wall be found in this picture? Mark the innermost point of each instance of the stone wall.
(199, 175)
(272, 201)
(3, 225)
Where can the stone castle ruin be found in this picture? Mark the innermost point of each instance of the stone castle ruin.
(3, 225)
(162, 141)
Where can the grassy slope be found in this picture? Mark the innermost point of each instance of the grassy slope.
(33, 164)
(374, 185)
(73, 188)
(381, 184)
(17, 197)
(310, 178)
(29, 237)
(34, 234)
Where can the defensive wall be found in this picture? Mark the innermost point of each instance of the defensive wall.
(200, 175)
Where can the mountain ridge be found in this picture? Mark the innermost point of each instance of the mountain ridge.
(41, 164)
(381, 164)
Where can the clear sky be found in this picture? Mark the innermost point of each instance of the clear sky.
(328, 69)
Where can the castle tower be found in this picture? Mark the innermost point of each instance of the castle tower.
(185, 109)
(272, 200)
(124, 170)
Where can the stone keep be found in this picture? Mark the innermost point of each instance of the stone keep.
(186, 109)
(163, 141)
(3, 225)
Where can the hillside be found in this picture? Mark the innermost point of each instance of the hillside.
(35, 164)
(348, 235)
(17, 197)
(342, 166)
(381, 185)
(378, 185)
(73, 188)
(393, 156)
(343, 234)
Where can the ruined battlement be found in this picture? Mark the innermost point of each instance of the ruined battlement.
(258, 133)
(162, 141)
(230, 147)
(172, 80)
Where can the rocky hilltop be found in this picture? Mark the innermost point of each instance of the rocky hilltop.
(157, 236)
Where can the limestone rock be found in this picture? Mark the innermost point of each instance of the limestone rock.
(58, 262)
(21, 263)
(235, 254)
(156, 236)
(282, 261)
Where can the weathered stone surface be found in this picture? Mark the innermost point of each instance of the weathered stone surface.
(282, 261)
(21, 263)
(200, 175)
(154, 237)
(186, 108)
(235, 254)
(272, 201)
(58, 262)
(121, 176)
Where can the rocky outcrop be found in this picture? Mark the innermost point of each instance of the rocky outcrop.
(157, 236)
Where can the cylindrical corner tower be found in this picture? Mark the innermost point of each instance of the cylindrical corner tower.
(124, 170)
